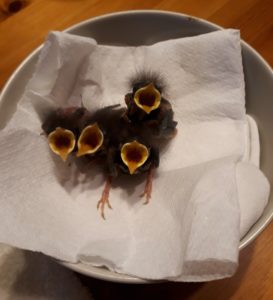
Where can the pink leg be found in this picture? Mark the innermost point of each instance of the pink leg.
(105, 197)
(148, 186)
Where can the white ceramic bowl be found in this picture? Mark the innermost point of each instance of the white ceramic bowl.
(148, 27)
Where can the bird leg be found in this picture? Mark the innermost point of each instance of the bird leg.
(148, 186)
(105, 197)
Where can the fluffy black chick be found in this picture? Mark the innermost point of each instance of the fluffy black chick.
(147, 109)
(129, 155)
(99, 130)
(101, 134)
(62, 129)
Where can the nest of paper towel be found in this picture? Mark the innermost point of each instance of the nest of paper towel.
(122, 140)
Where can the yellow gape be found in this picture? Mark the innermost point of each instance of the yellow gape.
(147, 98)
(90, 140)
(134, 155)
(62, 142)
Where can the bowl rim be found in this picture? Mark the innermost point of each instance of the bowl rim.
(102, 273)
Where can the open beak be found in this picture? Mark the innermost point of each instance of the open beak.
(147, 98)
(134, 155)
(62, 142)
(90, 140)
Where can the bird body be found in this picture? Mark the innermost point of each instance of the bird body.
(147, 109)
(115, 164)
(67, 118)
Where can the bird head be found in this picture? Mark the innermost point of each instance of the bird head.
(134, 155)
(62, 142)
(147, 98)
(90, 140)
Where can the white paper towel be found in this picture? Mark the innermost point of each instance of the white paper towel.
(191, 229)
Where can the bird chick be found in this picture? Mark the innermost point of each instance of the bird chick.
(98, 129)
(148, 109)
(131, 157)
(101, 132)
(62, 129)
(140, 158)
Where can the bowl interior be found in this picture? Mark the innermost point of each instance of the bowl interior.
(147, 27)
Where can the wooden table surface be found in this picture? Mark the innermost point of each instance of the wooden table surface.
(26, 28)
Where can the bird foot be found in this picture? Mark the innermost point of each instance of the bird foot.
(147, 195)
(101, 205)
(105, 198)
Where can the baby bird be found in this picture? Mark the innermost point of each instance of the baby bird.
(62, 129)
(101, 134)
(98, 129)
(129, 155)
(147, 109)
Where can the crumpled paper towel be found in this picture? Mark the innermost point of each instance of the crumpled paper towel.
(190, 230)
(25, 275)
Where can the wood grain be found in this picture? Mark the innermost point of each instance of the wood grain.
(21, 32)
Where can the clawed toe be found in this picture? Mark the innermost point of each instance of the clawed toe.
(105, 198)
